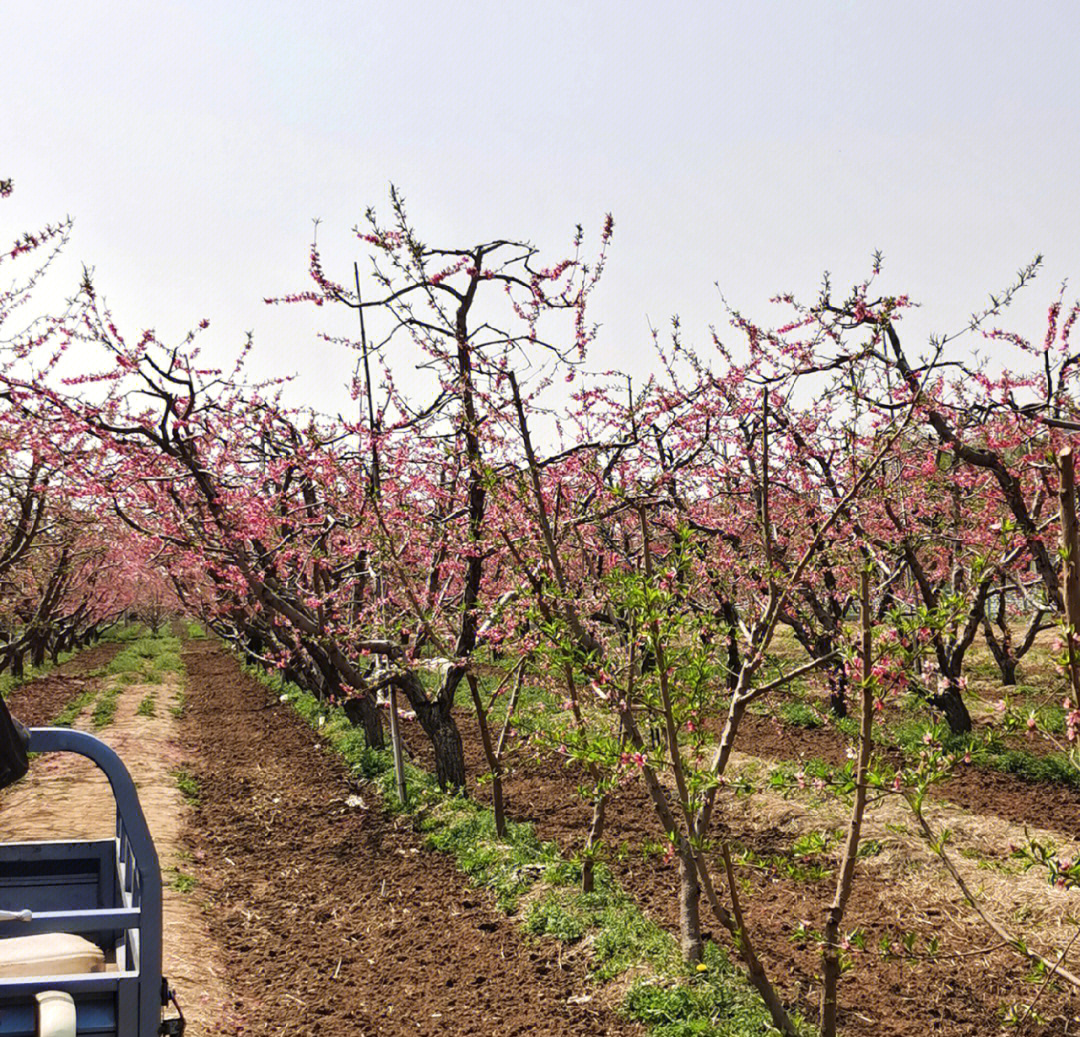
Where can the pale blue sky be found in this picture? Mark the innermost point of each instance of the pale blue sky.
(749, 144)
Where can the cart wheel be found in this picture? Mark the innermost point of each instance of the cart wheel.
(55, 1014)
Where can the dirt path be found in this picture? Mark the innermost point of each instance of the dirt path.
(334, 919)
(65, 796)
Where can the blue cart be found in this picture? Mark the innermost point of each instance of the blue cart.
(80, 922)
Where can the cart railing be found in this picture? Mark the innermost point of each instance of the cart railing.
(108, 890)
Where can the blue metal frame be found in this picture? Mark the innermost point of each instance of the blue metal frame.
(109, 890)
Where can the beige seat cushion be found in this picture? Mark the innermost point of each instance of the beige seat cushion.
(51, 954)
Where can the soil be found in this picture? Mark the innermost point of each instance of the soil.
(979, 789)
(334, 919)
(960, 994)
(317, 914)
(38, 701)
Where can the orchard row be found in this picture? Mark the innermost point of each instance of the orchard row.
(499, 526)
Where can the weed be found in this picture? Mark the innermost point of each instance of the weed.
(800, 714)
(182, 882)
(812, 843)
(67, 716)
(869, 848)
(148, 707)
(188, 785)
(1018, 1014)
(848, 726)
(105, 710)
(802, 870)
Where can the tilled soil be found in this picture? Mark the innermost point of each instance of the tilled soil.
(325, 916)
(960, 994)
(38, 701)
(980, 789)
(334, 919)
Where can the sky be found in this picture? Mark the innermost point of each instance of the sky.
(743, 148)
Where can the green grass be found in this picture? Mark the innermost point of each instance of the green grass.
(801, 715)
(147, 659)
(195, 631)
(988, 751)
(144, 659)
(622, 937)
(466, 831)
(167, 661)
(1049, 716)
(982, 667)
(1054, 767)
(671, 999)
(124, 634)
(126, 661)
(714, 1001)
(1027, 690)
(181, 881)
(70, 713)
(105, 710)
(188, 785)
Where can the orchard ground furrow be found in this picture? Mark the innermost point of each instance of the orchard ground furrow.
(42, 699)
(979, 789)
(945, 973)
(333, 917)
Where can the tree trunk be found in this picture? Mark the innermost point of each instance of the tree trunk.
(491, 754)
(396, 748)
(689, 906)
(951, 704)
(592, 842)
(363, 713)
(1070, 542)
(999, 649)
(439, 726)
(846, 876)
(449, 754)
(838, 691)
